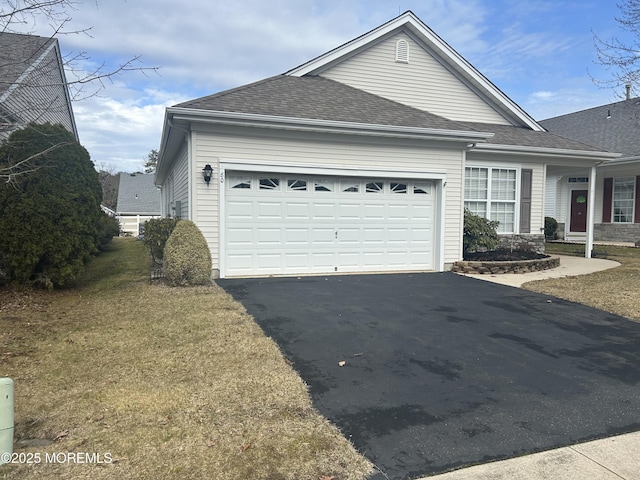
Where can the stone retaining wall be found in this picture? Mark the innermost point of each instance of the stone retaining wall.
(524, 241)
(516, 266)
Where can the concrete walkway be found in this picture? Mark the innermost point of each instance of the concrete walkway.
(613, 458)
(569, 266)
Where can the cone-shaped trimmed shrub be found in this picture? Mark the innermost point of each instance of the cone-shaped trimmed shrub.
(187, 260)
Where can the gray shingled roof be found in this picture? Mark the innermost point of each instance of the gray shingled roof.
(138, 195)
(319, 98)
(614, 127)
(17, 53)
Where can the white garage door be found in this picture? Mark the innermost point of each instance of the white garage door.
(288, 224)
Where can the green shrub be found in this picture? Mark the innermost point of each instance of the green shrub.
(109, 228)
(187, 259)
(550, 228)
(50, 215)
(479, 233)
(156, 233)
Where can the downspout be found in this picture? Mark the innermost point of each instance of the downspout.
(588, 249)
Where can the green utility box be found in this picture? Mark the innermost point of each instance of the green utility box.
(6, 419)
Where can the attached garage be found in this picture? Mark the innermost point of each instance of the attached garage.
(278, 224)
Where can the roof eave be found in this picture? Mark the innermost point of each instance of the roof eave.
(326, 126)
(595, 156)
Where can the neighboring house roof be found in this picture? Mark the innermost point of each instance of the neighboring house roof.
(138, 195)
(614, 127)
(33, 87)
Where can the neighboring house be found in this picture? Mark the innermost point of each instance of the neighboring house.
(360, 160)
(33, 87)
(614, 127)
(138, 201)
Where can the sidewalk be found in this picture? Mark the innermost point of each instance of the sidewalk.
(612, 458)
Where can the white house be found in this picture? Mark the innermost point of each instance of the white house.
(360, 160)
(138, 201)
(614, 127)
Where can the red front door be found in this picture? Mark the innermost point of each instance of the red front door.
(578, 211)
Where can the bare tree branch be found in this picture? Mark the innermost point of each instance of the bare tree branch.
(40, 95)
(621, 58)
(27, 165)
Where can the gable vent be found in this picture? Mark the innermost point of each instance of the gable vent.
(402, 51)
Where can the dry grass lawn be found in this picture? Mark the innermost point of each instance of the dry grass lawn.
(615, 290)
(171, 383)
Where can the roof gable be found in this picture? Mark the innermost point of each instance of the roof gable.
(443, 58)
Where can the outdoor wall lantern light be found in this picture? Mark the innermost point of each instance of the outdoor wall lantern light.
(207, 173)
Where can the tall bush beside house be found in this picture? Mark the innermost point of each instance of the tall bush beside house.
(479, 233)
(187, 259)
(550, 228)
(50, 217)
(156, 233)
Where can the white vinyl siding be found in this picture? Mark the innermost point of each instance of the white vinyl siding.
(422, 82)
(181, 186)
(334, 152)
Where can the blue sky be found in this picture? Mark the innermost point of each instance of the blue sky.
(541, 53)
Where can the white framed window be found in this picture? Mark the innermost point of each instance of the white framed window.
(492, 193)
(623, 199)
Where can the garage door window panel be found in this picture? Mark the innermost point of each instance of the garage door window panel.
(374, 187)
(350, 186)
(296, 185)
(421, 188)
(236, 182)
(269, 183)
(398, 187)
(323, 186)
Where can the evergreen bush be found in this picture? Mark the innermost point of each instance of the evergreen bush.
(187, 259)
(479, 233)
(156, 233)
(50, 216)
(550, 228)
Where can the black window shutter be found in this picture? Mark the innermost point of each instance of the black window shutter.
(525, 200)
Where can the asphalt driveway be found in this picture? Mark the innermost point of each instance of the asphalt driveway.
(444, 371)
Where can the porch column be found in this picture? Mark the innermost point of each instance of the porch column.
(591, 202)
